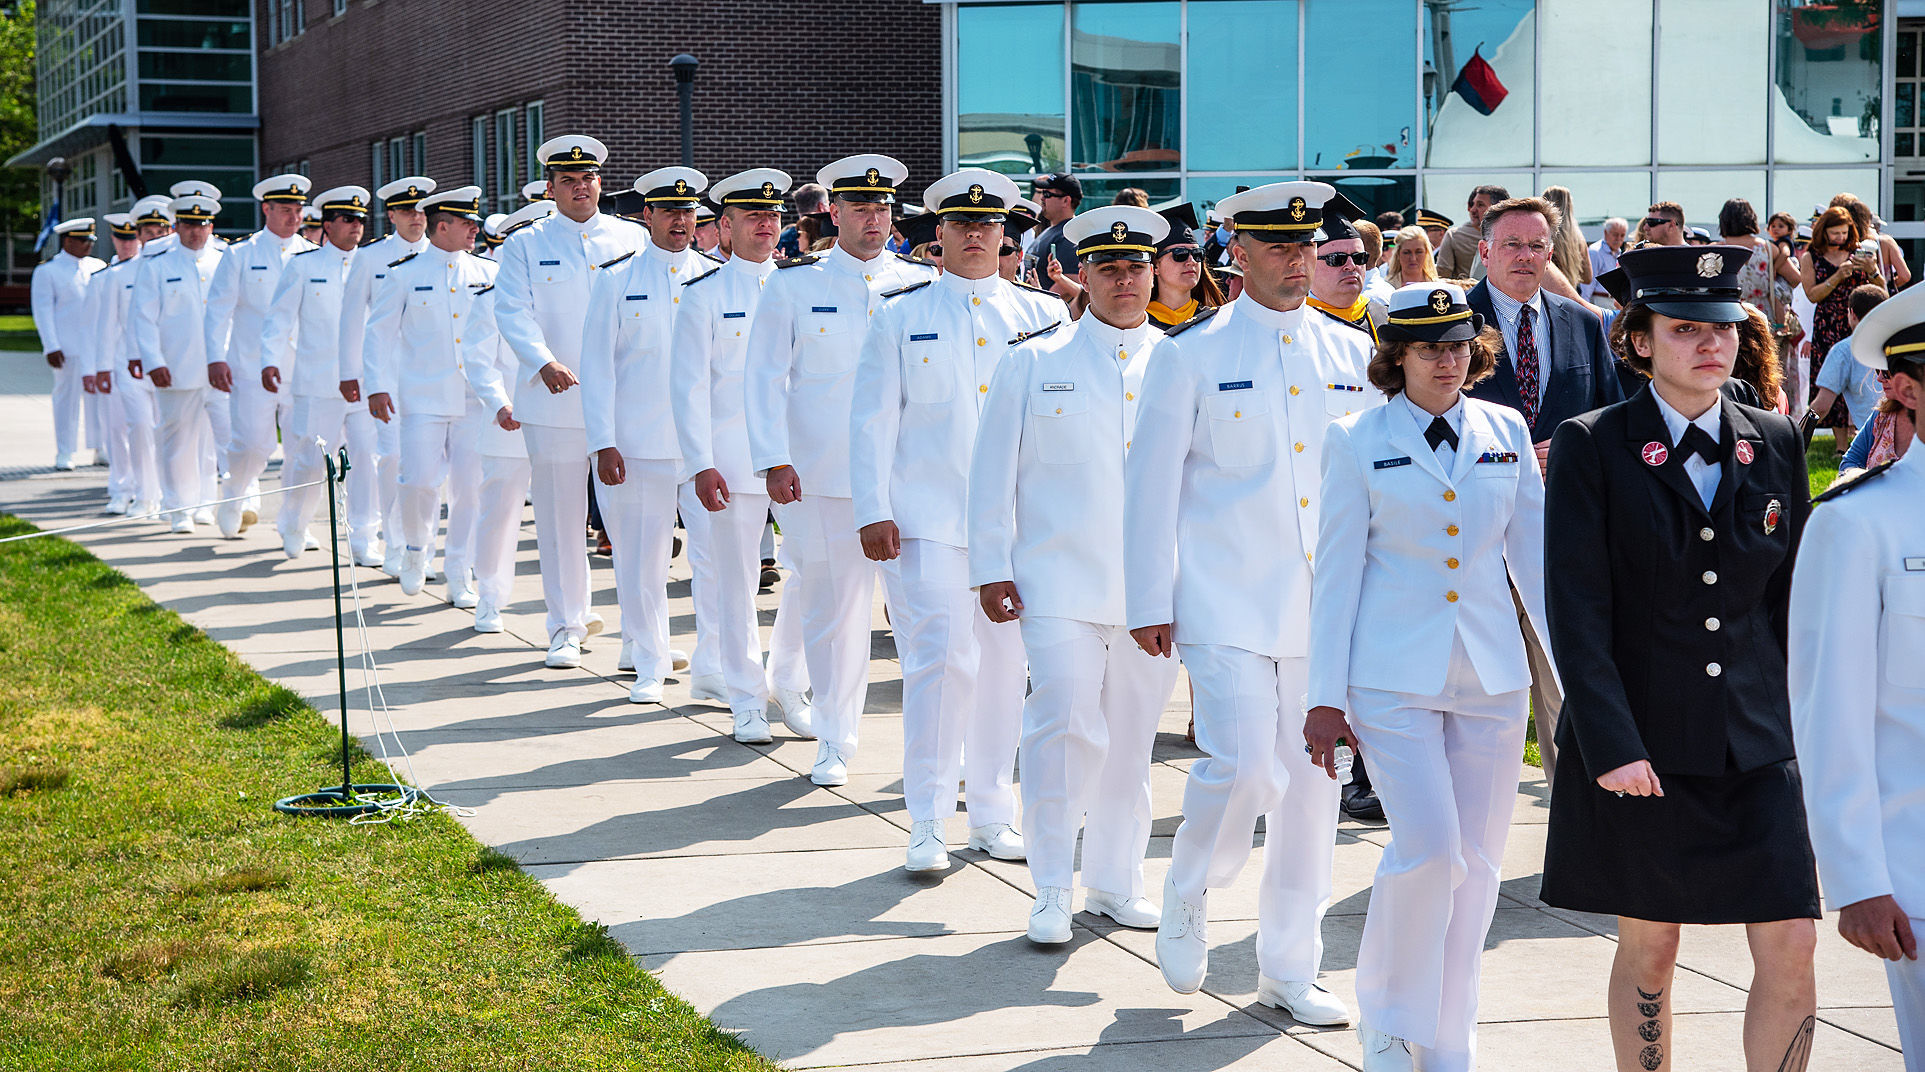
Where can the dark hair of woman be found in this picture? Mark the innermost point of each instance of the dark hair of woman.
(1757, 362)
(1388, 376)
(1736, 218)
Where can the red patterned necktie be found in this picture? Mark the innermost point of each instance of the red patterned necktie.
(1526, 364)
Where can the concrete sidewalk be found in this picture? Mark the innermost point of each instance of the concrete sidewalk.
(781, 910)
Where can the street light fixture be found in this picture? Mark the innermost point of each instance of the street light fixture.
(684, 66)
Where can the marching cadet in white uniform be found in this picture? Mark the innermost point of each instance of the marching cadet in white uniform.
(58, 289)
(414, 363)
(1220, 523)
(630, 413)
(705, 377)
(920, 385)
(1432, 510)
(800, 375)
(1045, 507)
(153, 224)
(237, 301)
(540, 308)
(400, 199)
(1858, 683)
(104, 350)
(300, 352)
(168, 310)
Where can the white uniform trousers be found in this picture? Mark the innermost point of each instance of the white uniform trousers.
(1088, 727)
(387, 475)
(184, 443)
(639, 514)
(706, 659)
(558, 471)
(135, 400)
(331, 420)
(1445, 768)
(257, 414)
(504, 490)
(962, 690)
(113, 421)
(437, 450)
(788, 656)
(1907, 979)
(1249, 724)
(833, 590)
(96, 410)
(68, 412)
(735, 543)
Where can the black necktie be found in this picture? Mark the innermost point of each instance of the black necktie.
(1697, 441)
(1440, 432)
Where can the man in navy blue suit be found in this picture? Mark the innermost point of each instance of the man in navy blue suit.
(1556, 364)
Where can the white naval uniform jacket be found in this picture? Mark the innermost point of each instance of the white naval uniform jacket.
(711, 340)
(1046, 482)
(302, 329)
(632, 304)
(421, 312)
(801, 371)
(1221, 489)
(920, 386)
(543, 303)
(106, 347)
(56, 293)
(239, 294)
(1857, 677)
(169, 310)
(1410, 555)
(490, 367)
(367, 271)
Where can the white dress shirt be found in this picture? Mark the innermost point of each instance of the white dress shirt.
(301, 332)
(543, 303)
(414, 346)
(239, 294)
(368, 270)
(1508, 311)
(705, 369)
(1704, 475)
(632, 305)
(169, 310)
(56, 291)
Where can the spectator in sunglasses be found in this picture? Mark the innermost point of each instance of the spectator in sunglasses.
(1009, 259)
(1664, 224)
(1184, 287)
(1337, 277)
(1057, 196)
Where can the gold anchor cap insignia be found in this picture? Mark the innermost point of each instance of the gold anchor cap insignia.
(1119, 230)
(1440, 300)
(872, 176)
(768, 189)
(1297, 209)
(681, 186)
(975, 193)
(575, 152)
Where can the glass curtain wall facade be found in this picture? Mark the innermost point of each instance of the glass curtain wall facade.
(1403, 103)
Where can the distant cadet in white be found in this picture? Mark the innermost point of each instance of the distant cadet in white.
(1220, 525)
(56, 293)
(540, 310)
(1432, 510)
(630, 414)
(237, 301)
(300, 358)
(129, 387)
(105, 346)
(414, 368)
(1858, 683)
(311, 224)
(491, 228)
(168, 306)
(921, 383)
(1045, 508)
(400, 201)
(709, 345)
(535, 190)
(801, 370)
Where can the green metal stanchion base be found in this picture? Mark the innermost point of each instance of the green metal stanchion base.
(333, 803)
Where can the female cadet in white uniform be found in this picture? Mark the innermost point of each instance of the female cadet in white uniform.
(1432, 510)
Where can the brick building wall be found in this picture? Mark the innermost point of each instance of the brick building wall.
(790, 84)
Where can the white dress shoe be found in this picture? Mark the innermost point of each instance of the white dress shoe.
(1136, 912)
(204, 516)
(708, 687)
(1384, 1053)
(366, 556)
(292, 544)
(564, 651)
(927, 850)
(999, 840)
(1049, 919)
(463, 597)
(645, 690)
(182, 522)
(414, 570)
(310, 542)
(797, 713)
(1307, 1002)
(391, 560)
(677, 659)
(626, 660)
(116, 505)
(227, 518)
(143, 509)
(831, 769)
(594, 623)
(752, 727)
(1182, 948)
(63, 462)
(487, 617)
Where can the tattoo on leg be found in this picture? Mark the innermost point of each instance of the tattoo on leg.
(1649, 997)
(1651, 1057)
(1650, 1006)
(1799, 1052)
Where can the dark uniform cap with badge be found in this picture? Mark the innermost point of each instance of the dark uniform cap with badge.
(1338, 212)
(1280, 212)
(1430, 311)
(1021, 217)
(121, 225)
(1892, 336)
(865, 177)
(1115, 233)
(572, 152)
(404, 192)
(1181, 217)
(917, 228)
(973, 194)
(1685, 282)
(754, 190)
(1431, 221)
(672, 187)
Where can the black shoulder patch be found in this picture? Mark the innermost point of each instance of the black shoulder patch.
(1192, 322)
(1846, 486)
(1040, 290)
(618, 260)
(798, 261)
(305, 252)
(154, 253)
(1037, 334)
(404, 260)
(475, 255)
(704, 275)
(710, 256)
(905, 290)
(926, 263)
(479, 291)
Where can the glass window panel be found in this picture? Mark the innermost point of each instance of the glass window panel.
(1829, 58)
(478, 150)
(1610, 45)
(199, 66)
(1800, 191)
(1103, 191)
(1258, 40)
(1375, 193)
(1449, 192)
(196, 151)
(1703, 193)
(1907, 55)
(1902, 145)
(1009, 87)
(1480, 64)
(1711, 55)
(1124, 79)
(163, 97)
(1204, 191)
(175, 33)
(1599, 195)
(532, 111)
(1907, 112)
(223, 8)
(1358, 112)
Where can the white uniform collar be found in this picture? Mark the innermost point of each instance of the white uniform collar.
(415, 246)
(1454, 416)
(668, 256)
(971, 287)
(846, 261)
(1275, 320)
(593, 223)
(1712, 420)
(760, 271)
(1114, 341)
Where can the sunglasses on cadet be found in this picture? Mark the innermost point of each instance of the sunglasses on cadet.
(1184, 255)
(1336, 260)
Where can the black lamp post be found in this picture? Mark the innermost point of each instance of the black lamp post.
(684, 66)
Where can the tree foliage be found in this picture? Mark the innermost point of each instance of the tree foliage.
(19, 187)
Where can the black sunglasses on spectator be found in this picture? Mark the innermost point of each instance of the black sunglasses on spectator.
(935, 251)
(1009, 251)
(1184, 254)
(1336, 260)
(1654, 221)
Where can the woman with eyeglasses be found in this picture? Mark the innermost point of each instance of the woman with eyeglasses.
(1184, 287)
(1433, 509)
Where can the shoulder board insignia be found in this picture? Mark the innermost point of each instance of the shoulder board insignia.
(917, 260)
(1352, 324)
(1040, 290)
(154, 253)
(704, 275)
(1845, 486)
(404, 260)
(618, 260)
(236, 241)
(1192, 322)
(709, 256)
(905, 290)
(1037, 334)
(479, 291)
(798, 261)
(475, 255)
(305, 252)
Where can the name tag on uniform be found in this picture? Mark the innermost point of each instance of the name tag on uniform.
(931, 337)
(1342, 387)
(175, 279)
(317, 280)
(380, 275)
(734, 316)
(1236, 385)
(634, 297)
(1059, 387)
(257, 267)
(1497, 456)
(425, 288)
(1390, 463)
(1914, 565)
(550, 264)
(822, 308)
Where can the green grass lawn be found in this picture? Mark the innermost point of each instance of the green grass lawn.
(17, 333)
(160, 914)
